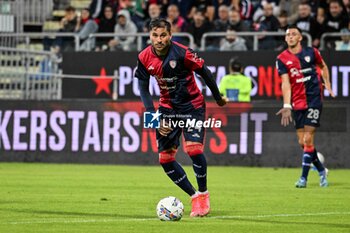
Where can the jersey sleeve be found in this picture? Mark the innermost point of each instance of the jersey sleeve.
(222, 86)
(141, 72)
(318, 56)
(281, 68)
(247, 88)
(192, 61)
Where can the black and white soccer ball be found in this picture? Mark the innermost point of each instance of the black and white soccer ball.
(170, 209)
(320, 157)
(322, 160)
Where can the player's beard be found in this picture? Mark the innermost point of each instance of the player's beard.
(161, 48)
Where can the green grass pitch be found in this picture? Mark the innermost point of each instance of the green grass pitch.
(102, 198)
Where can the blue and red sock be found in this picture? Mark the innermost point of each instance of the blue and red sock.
(200, 170)
(177, 174)
(307, 160)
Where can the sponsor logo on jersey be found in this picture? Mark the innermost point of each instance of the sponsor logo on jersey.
(301, 80)
(289, 63)
(306, 70)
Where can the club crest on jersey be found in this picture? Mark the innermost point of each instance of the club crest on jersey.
(172, 64)
(307, 58)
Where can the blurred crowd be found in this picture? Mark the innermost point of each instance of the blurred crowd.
(200, 16)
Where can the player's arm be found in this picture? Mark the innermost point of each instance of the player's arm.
(286, 111)
(146, 98)
(143, 76)
(209, 80)
(247, 88)
(146, 95)
(325, 72)
(325, 77)
(222, 86)
(195, 63)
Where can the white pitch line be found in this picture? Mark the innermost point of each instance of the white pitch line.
(49, 221)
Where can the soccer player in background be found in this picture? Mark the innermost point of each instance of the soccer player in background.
(302, 97)
(172, 64)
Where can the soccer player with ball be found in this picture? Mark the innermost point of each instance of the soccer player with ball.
(172, 64)
(302, 97)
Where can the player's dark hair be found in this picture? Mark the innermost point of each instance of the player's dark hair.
(235, 65)
(159, 23)
(294, 27)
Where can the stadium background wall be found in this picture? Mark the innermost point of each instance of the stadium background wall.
(260, 66)
(110, 132)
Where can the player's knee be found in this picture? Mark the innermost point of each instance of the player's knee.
(194, 149)
(308, 139)
(167, 156)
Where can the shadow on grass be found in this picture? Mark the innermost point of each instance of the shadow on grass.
(80, 214)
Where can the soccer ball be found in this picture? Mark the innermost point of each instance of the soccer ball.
(320, 157)
(170, 209)
(322, 160)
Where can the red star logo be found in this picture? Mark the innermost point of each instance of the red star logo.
(102, 82)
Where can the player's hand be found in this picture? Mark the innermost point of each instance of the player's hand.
(286, 116)
(222, 102)
(327, 85)
(164, 128)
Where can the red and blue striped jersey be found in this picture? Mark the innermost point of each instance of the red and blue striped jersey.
(306, 84)
(174, 74)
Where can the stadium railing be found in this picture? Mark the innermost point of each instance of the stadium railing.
(33, 75)
(255, 36)
(11, 16)
(325, 36)
(28, 74)
(142, 35)
(37, 11)
(16, 13)
(14, 39)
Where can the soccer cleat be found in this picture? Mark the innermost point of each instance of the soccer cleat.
(196, 205)
(323, 181)
(301, 183)
(204, 203)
